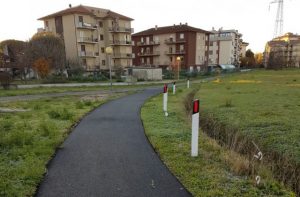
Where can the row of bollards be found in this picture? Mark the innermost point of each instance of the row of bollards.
(195, 117)
(195, 126)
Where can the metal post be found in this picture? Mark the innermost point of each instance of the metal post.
(110, 78)
(109, 51)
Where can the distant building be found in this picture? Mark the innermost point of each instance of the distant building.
(171, 47)
(285, 48)
(243, 48)
(225, 47)
(87, 31)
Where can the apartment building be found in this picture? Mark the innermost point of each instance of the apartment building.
(172, 47)
(225, 47)
(286, 48)
(87, 31)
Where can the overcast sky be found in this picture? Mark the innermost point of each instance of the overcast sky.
(252, 18)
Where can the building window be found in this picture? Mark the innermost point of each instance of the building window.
(181, 36)
(80, 19)
(103, 62)
(148, 60)
(142, 39)
(100, 24)
(211, 43)
(47, 23)
(102, 50)
(171, 59)
(101, 37)
(210, 52)
(181, 48)
(142, 60)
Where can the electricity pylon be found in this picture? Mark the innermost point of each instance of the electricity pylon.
(278, 28)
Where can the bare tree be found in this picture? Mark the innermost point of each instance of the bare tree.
(276, 60)
(48, 46)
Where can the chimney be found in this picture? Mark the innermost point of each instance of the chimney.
(180, 24)
(155, 27)
(186, 24)
(70, 5)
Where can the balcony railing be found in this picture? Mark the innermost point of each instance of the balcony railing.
(87, 54)
(151, 43)
(216, 38)
(86, 26)
(122, 56)
(149, 53)
(174, 41)
(120, 42)
(87, 40)
(121, 29)
(178, 52)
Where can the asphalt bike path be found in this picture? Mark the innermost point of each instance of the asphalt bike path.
(108, 155)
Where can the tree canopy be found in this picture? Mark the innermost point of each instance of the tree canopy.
(48, 47)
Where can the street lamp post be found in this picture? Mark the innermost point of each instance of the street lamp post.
(178, 60)
(109, 51)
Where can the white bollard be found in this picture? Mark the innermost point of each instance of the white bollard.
(174, 88)
(165, 99)
(188, 83)
(195, 128)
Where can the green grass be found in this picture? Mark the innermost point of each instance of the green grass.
(264, 107)
(210, 174)
(29, 139)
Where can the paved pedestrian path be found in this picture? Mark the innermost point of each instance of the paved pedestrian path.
(109, 155)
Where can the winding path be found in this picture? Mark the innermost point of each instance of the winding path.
(109, 155)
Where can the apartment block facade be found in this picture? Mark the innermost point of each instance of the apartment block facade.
(87, 31)
(286, 47)
(178, 46)
(225, 47)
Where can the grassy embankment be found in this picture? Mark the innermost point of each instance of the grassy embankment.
(218, 171)
(261, 107)
(29, 139)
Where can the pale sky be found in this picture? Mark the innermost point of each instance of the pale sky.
(252, 18)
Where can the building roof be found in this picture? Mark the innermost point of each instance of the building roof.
(169, 29)
(93, 11)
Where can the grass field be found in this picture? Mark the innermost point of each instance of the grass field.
(29, 139)
(217, 171)
(259, 106)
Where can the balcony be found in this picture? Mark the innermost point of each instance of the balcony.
(149, 53)
(120, 43)
(87, 40)
(178, 52)
(82, 25)
(151, 43)
(122, 56)
(87, 54)
(217, 38)
(120, 30)
(173, 41)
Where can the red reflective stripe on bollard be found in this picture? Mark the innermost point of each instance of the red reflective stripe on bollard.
(165, 88)
(196, 106)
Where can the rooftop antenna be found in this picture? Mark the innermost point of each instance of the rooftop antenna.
(278, 28)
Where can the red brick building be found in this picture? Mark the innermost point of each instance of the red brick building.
(164, 46)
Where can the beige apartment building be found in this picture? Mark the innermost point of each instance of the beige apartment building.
(286, 47)
(172, 47)
(87, 31)
(225, 47)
